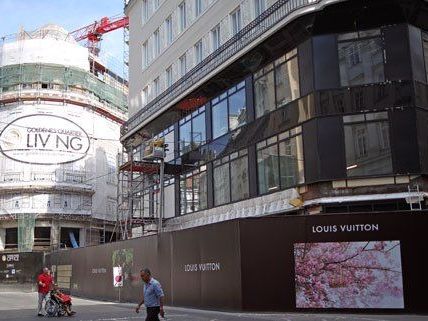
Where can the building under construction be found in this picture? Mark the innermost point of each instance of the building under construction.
(61, 111)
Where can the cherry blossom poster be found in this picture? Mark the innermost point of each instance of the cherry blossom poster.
(366, 275)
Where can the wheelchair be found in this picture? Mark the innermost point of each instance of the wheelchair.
(54, 308)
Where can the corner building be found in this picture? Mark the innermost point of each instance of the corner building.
(280, 107)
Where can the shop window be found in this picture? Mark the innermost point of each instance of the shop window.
(264, 91)
(287, 79)
(192, 131)
(280, 161)
(276, 84)
(367, 144)
(361, 58)
(231, 178)
(193, 191)
(221, 184)
(229, 110)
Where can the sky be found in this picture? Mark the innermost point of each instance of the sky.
(70, 14)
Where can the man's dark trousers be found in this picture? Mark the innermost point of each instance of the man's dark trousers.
(153, 314)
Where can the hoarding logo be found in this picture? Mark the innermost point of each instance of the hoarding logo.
(44, 140)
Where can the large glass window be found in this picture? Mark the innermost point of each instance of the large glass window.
(239, 176)
(280, 161)
(231, 178)
(367, 144)
(276, 84)
(168, 136)
(221, 184)
(287, 79)
(193, 191)
(192, 131)
(264, 91)
(229, 110)
(361, 58)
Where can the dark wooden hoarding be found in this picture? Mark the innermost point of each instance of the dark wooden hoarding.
(354, 262)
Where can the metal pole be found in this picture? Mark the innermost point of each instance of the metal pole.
(162, 198)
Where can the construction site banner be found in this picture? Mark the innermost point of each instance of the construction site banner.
(353, 263)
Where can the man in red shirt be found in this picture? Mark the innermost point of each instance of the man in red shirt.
(44, 282)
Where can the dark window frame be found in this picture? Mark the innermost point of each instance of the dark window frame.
(272, 68)
(228, 160)
(191, 174)
(277, 140)
(240, 86)
(189, 119)
(359, 36)
(365, 119)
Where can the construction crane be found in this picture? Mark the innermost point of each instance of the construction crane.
(93, 33)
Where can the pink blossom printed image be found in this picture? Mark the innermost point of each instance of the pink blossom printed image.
(359, 275)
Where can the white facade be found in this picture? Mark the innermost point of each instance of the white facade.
(151, 51)
(59, 137)
(48, 45)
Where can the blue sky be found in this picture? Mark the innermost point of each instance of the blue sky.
(70, 14)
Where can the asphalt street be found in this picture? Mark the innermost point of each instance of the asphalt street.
(22, 306)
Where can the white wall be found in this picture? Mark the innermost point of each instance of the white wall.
(45, 51)
(216, 12)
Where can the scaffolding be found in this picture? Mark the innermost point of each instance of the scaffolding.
(49, 76)
(142, 174)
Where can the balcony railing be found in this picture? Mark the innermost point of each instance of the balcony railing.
(255, 29)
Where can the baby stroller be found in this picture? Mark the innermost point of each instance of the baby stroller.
(58, 304)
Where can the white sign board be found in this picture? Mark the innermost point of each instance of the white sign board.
(117, 277)
(44, 139)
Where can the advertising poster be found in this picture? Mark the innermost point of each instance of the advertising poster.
(117, 277)
(358, 275)
(124, 259)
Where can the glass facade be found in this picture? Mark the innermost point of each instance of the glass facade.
(268, 147)
(231, 178)
(192, 131)
(367, 144)
(280, 161)
(276, 84)
(361, 58)
(229, 110)
(193, 191)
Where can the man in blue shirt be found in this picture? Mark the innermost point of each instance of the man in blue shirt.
(152, 296)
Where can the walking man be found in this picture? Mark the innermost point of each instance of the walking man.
(153, 296)
(44, 282)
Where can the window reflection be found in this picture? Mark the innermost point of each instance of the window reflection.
(361, 61)
(193, 191)
(220, 123)
(367, 145)
(237, 110)
(192, 131)
(229, 110)
(279, 79)
(264, 94)
(231, 178)
(221, 185)
(280, 161)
